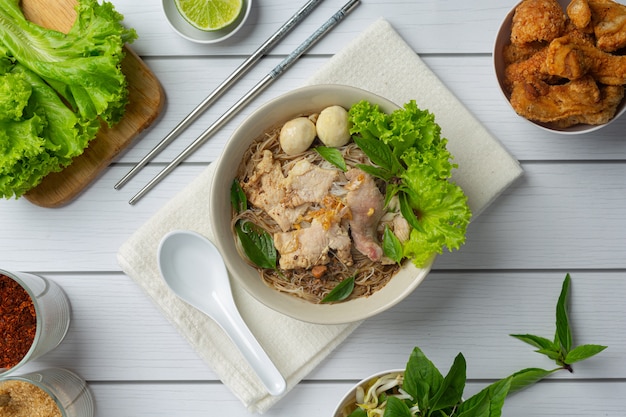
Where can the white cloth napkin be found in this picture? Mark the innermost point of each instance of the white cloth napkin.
(377, 60)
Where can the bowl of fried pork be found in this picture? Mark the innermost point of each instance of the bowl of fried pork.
(561, 64)
(278, 134)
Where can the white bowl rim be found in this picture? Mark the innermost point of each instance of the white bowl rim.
(502, 37)
(349, 396)
(187, 31)
(398, 288)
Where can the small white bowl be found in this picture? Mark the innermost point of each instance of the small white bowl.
(349, 399)
(281, 109)
(503, 38)
(187, 31)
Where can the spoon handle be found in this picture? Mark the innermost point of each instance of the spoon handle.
(238, 331)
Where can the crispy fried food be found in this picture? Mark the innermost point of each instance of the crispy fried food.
(562, 72)
(528, 70)
(610, 96)
(572, 59)
(537, 20)
(609, 24)
(517, 52)
(579, 13)
(566, 104)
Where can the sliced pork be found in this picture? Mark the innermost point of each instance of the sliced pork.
(366, 204)
(308, 247)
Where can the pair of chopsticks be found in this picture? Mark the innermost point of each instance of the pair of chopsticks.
(260, 86)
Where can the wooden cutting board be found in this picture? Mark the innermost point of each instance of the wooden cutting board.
(146, 101)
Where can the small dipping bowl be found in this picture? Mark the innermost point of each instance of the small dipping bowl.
(52, 311)
(67, 390)
(348, 401)
(503, 38)
(186, 30)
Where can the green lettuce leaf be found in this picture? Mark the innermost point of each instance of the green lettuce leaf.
(56, 89)
(435, 207)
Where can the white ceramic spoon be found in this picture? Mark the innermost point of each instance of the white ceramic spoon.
(194, 269)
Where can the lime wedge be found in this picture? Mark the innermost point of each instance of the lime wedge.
(209, 15)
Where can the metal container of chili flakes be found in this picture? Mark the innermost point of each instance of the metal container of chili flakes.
(34, 318)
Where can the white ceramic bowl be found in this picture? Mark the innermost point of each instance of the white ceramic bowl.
(502, 39)
(187, 31)
(349, 399)
(269, 115)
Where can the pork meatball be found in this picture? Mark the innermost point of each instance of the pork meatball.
(333, 126)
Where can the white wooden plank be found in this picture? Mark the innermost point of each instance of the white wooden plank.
(316, 399)
(117, 334)
(429, 26)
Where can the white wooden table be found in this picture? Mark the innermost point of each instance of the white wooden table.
(567, 214)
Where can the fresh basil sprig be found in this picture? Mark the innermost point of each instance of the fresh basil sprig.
(392, 247)
(257, 244)
(238, 198)
(332, 155)
(340, 292)
(435, 395)
(560, 349)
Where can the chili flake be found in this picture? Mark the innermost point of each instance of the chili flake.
(18, 322)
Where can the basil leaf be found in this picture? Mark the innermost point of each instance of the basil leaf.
(332, 155)
(536, 341)
(563, 336)
(488, 402)
(340, 292)
(408, 213)
(257, 244)
(392, 248)
(379, 153)
(377, 172)
(238, 198)
(582, 352)
(525, 377)
(359, 412)
(421, 378)
(397, 408)
(476, 406)
(450, 392)
(553, 354)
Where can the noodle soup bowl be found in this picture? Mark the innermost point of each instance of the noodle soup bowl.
(305, 100)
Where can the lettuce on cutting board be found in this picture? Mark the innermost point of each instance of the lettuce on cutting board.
(55, 89)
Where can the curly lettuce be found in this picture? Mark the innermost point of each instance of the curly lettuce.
(411, 156)
(56, 90)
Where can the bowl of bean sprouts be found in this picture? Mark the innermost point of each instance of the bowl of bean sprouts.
(370, 394)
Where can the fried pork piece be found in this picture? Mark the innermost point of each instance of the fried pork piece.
(517, 52)
(573, 101)
(579, 13)
(571, 59)
(527, 70)
(537, 20)
(611, 96)
(609, 24)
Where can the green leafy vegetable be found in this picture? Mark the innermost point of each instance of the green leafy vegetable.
(332, 155)
(340, 292)
(560, 350)
(392, 247)
(409, 153)
(257, 244)
(59, 87)
(238, 198)
(432, 394)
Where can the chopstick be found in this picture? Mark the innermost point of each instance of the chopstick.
(260, 86)
(221, 89)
